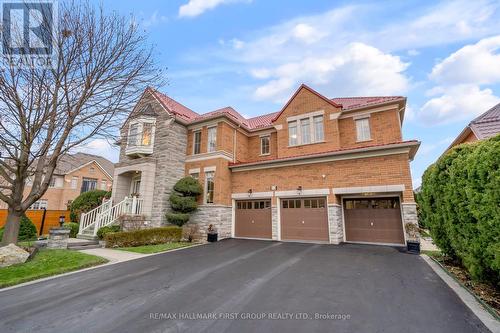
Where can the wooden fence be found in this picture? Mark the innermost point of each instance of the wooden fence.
(37, 217)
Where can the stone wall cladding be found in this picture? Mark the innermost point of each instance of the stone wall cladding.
(409, 214)
(170, 151)
(335, 223)
(275, 222)
(219, 216)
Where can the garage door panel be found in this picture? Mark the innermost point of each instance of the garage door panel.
(373, 220)
(300, 221)
(253, 219)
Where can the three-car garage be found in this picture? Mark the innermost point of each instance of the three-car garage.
(364, 220)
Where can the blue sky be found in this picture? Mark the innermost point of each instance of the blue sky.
(253, 54)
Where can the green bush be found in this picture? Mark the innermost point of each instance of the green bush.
(86, 202)
(106, 230)
(143, 237)
(27, 230)
(460, 203)
(183, 201)
(188, 186)
(73, 227)
(178, 219)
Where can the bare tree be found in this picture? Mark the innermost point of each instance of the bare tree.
(102, 64)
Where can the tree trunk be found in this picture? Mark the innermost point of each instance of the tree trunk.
(11, 230)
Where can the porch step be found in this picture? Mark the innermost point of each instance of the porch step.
(88, 236)
(84, 247)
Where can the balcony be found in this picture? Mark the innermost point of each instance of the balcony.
(138, 150)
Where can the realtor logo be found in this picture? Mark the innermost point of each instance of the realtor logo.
(28, 32)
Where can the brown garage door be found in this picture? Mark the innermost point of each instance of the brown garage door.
(376, 220)
(304, 219)
(253, 219)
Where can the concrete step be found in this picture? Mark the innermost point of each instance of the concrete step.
(84, 247)
(87, 236)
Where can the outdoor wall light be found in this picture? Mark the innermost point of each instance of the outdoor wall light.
(61, 220)
(299, 189)
(250, 192)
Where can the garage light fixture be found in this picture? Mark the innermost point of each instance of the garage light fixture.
(250, 192)
(299, 189)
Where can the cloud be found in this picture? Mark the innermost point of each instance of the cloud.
(197, 7)
(101, 147)
(458, 102)
(154, 19)
(473, 64)
(358, 69)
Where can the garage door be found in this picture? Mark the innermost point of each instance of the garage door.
(253, 219)
(304, 219)
(375, 220)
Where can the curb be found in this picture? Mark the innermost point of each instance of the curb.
(109, 263)
(485, 314)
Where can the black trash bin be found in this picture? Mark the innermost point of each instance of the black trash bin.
(413, 246)
(212, 237)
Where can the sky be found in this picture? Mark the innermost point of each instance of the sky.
(253, 54)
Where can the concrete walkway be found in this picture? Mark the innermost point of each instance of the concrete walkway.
(114, 255)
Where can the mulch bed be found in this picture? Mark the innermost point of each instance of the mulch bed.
(484, 291)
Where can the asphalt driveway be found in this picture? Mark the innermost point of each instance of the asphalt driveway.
(246, 286)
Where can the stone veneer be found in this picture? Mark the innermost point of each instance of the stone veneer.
(409, 213)
(335, 223)
(274, 221)
(219, 216)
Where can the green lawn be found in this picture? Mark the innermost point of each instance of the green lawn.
(146, 249)
(47, 263)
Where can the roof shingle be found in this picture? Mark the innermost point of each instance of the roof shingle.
(487, 125)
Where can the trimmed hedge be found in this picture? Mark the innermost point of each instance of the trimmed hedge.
(86, 202)
(73, 227)
(460, 204)
(183, 200)
(143, 237)
(103, 231)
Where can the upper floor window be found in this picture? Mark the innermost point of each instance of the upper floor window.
(306, 130)
(318, 129)
(74, 182)
(56, 182)
(40, 204)
(212, 139)
(292, 133)
(197, 142)
(88, 184)
(140, 133)
(52, 182)
(195, 175)
(209, 187)
(363, 129)
(265, 145)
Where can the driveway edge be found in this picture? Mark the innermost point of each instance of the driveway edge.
(109, 263)
(467, 298)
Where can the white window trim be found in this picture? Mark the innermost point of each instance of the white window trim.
(369, 129)
(205, 187)
(312, 129)
(196, 170)
(208, 137)
(260, 138)
(209, 169)
(141, 122)
(194, 141)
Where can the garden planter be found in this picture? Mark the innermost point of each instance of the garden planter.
(413, 246)
(212, 237)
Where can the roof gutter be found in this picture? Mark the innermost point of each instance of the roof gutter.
(409, 147)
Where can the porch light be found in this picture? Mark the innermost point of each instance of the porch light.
(61, 220)
(299, 189)
(250, 192)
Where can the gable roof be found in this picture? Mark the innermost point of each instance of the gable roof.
(188, 116)
(71, 162)
(303, 86)
(488, 124)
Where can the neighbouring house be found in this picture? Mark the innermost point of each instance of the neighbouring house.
(74, 174)
(483, 127)
(321, 169)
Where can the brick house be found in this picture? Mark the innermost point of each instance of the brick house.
(74, 174)
(323, 170)
(483, 127)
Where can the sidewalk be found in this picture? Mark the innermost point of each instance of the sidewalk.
(114, 256)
